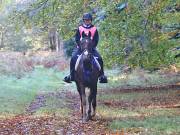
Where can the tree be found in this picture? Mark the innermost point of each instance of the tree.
(137, 33)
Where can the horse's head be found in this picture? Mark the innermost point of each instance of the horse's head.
(86, 46)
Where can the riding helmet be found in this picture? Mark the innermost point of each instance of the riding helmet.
(87, 16)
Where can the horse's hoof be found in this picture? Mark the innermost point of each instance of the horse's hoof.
(93, 114)
(84, 120)
(89, 118)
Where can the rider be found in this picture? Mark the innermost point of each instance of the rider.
(86, 26)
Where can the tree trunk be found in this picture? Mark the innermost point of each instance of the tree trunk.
(2, 40)
(54, 40)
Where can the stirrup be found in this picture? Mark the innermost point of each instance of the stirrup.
(67, 79)
(103, 79)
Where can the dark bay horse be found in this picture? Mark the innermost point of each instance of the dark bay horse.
(87, 70)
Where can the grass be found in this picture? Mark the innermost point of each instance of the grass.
(139, 119)
(56, 106)
(14, 64)
(130, 96)
(138, 78)
(115, 113)
(111, 113)
(158, 125)
(123, 96)
(59, 112)
(16, 94)
(158, 111)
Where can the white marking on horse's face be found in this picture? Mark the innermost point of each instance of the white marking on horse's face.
(86, 52)
(86, 40)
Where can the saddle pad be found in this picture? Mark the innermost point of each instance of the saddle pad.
(79, 58)
(77, 62)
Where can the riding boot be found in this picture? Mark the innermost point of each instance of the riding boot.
(102, 77)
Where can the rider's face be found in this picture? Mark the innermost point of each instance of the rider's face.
(87, 22)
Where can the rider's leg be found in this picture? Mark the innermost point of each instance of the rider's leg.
(74, 57)
(102, 77)
(75, 54)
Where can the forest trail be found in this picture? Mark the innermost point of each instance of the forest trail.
(27, 123)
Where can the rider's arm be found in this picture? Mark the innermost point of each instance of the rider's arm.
(77, 37)
(96, 38)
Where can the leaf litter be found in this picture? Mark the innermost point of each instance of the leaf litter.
(50, 124)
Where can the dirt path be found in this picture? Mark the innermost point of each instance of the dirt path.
(75, 126)
(51, 124)
(27, 123)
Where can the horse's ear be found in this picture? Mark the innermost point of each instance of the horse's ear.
(89, 34)
(83, 34)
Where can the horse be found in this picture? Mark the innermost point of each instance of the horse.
(87, 71)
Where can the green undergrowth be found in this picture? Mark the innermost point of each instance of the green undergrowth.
(141, 112)
(158, 125)
(138, 112)
(131, 96)
(143, 121)
(138, 78)
(57, 112)
(55, 105)
(115, 113)
(17, 93)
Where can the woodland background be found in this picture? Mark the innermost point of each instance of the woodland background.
(141, 33)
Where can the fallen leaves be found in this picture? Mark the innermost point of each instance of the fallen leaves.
(29, 123)
(23, 125)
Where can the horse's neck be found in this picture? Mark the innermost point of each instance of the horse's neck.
(87, 65)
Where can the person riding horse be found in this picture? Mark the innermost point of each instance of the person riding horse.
(86, 27)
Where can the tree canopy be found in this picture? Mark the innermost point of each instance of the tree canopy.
(141, 33)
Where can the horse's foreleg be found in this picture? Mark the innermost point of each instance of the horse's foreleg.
(81, 107)
(80, 95)
(84, 104)
(89, 102)
(94, 101)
